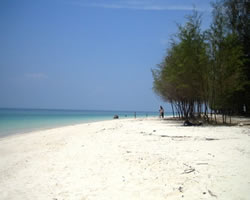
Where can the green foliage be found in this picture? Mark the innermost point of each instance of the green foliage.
(181, 78)
(203, 68)
(227, 59)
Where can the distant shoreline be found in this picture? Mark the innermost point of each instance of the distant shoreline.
(75, 110)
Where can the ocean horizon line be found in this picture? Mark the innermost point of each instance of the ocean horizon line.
(15, 120)
(68, 109)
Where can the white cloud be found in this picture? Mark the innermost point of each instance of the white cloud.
(36, 76)
(139, 5)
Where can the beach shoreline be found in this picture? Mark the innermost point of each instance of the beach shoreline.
(144, 158)
(16, 121)
(38, 130)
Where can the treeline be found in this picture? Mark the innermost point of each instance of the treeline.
(207, 72)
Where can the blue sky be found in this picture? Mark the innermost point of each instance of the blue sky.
(86, 54)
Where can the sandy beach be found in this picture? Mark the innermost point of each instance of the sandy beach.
(127, 159)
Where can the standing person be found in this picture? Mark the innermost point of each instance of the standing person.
(161, 112)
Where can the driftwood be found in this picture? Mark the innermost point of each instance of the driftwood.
(187, 171)
(188, 123)
(211, 139)
(177, 136)
(213, 195)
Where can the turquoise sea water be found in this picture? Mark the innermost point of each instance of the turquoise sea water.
(13, 121)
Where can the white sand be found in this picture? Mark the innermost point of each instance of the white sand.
(127, 159)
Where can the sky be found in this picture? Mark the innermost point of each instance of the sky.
(87, 54)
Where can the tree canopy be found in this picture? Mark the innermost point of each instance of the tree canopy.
(207, 70)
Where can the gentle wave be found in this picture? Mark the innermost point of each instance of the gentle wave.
(13, 121)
